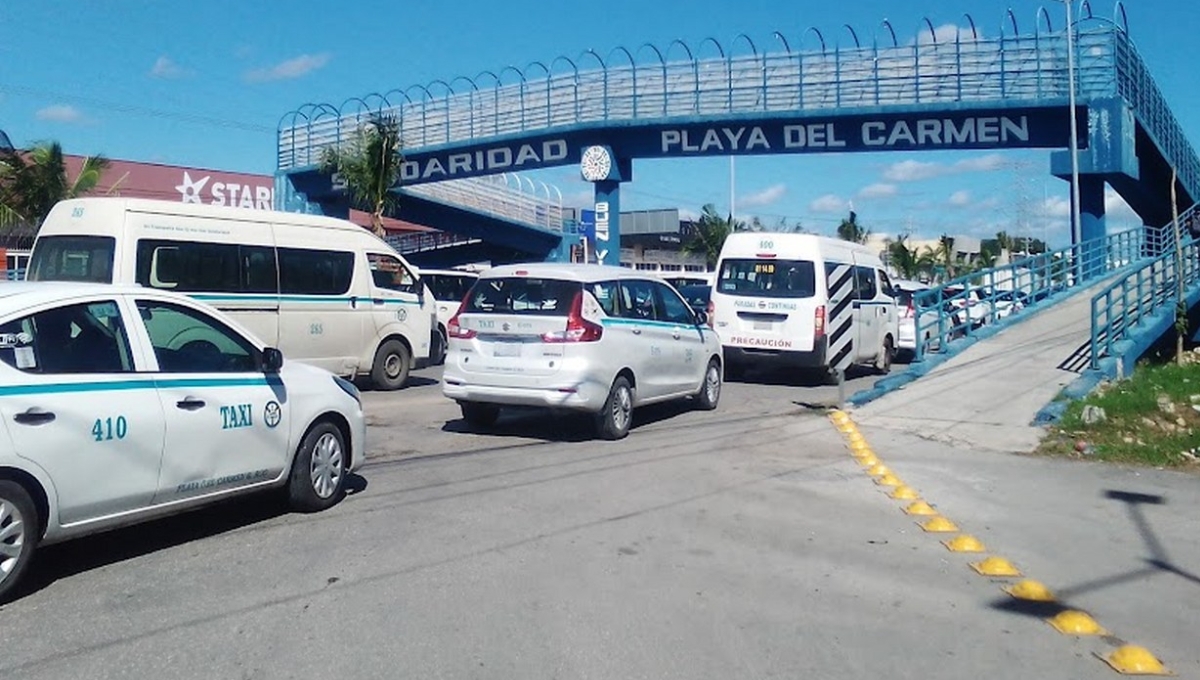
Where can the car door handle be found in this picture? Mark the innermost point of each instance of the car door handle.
(190, 404)
(637, 331)
(34, 416)
(675, 334)
(378, 301)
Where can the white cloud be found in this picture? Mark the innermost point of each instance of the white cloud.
(165, 68)
(916, 171)
(829, 203)
(1115, 206)
(762, 198)
(878, 190)
(689, 215)
(584, 198)
(1056, 206)
(295, 67)
(60, 113)
(960, 199)
(946, 33)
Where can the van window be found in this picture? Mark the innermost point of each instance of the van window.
(864, 283)
(390, 273)
(448, 287)
(885, 284)
(190, 266)
(72, 258)
(768, 278)
(314, 272)
(521, 295)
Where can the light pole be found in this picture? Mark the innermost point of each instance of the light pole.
(1076, 219)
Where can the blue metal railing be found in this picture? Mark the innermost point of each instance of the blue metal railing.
(424, 241)
(960, 307)
(1009, 69)
(14, 274)
(1145, 291)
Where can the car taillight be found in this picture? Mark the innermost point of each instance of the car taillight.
(819, 322)
(578, 328)
(909, 312)
(710, 311)
(454, 328)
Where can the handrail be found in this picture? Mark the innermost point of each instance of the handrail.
(1123, 304)
(1031, 280)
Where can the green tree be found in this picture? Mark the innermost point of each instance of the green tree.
(710, 233)
(851, 230)
(370, 166)
(33, 181)
(941, 260)
(904, 260)
(1004, 242)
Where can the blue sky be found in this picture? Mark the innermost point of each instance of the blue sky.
(204, 84)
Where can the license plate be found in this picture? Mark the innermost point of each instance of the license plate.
(507, 349)
(763, 325)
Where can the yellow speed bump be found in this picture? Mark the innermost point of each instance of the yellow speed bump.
(939, 525)
(858, 446)
(995, 566)
(839, 417)
(964, 543)
(878, 470)
(888, 480)
(1073, 622)
(1135, 660)
(846, 427)
(920, 508)
(854, 436)
(904, 493)
(1032, 591)
(868, 460)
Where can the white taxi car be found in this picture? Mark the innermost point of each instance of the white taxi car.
(603, 340)
(119, 404)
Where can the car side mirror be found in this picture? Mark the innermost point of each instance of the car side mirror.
(272, 360)
(701, 318)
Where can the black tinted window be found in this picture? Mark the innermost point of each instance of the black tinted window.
(72, 258)
(85, 338)
(209, 267)
(314, 272)
(673, 309)
(864, 283)
(448, 287)
(520, 295)
(638, 301)
(768, 278)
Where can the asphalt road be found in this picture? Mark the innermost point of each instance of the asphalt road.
(740, 543)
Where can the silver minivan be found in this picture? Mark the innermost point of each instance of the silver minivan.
(602, 340)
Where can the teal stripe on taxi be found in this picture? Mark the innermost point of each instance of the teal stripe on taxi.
(308, 299)
(615, 321)
(134, 384)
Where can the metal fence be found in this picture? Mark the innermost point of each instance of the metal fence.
(428, 240)
(949, 311)
(14, 274)
(507, 196)
(1148, 290)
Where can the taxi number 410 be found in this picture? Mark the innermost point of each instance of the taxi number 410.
(107, 429)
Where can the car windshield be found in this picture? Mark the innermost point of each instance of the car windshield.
(72, 258)
(522, 295)
(696, 296)
(768, 278)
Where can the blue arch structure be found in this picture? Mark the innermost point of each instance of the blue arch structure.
(972, 92)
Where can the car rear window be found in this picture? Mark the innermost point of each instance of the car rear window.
(522, 295)
(768, 278)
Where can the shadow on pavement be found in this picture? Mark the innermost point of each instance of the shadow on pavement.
(63, 560)
(563, 426)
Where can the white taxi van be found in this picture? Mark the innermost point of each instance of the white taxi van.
(591, 338)
(120, 404)
(447, 286)
(325, 291)
(776, 292)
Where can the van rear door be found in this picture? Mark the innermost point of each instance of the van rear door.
(773, 303)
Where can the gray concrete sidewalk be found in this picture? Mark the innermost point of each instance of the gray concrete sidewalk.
(987, 396)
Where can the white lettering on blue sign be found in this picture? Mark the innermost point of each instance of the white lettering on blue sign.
(485, 161)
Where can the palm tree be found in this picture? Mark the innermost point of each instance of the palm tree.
(32, 182)
(904, 259)
(370, 166)
(710, 233)
(941, 259)
(851, 230)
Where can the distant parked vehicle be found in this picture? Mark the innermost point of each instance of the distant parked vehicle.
(697, 297)
(448, 286)
(696, 279)
(974, 302)
(1009, 302)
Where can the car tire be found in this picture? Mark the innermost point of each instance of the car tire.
(19, 533)
(477, 414)
(437, 353)
(710, 389)
(393, 360)
(614, 420)
(318, 478)
(888, 352)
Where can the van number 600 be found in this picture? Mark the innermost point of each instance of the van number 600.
(110, 428)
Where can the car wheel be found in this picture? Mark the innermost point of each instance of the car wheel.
(614, 420)
(318, 477)
(884, 363)
(18, 533)
(392, 363)
(710, 390)
(479, 415)
(437, 353)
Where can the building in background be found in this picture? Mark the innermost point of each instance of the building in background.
(651, 240)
